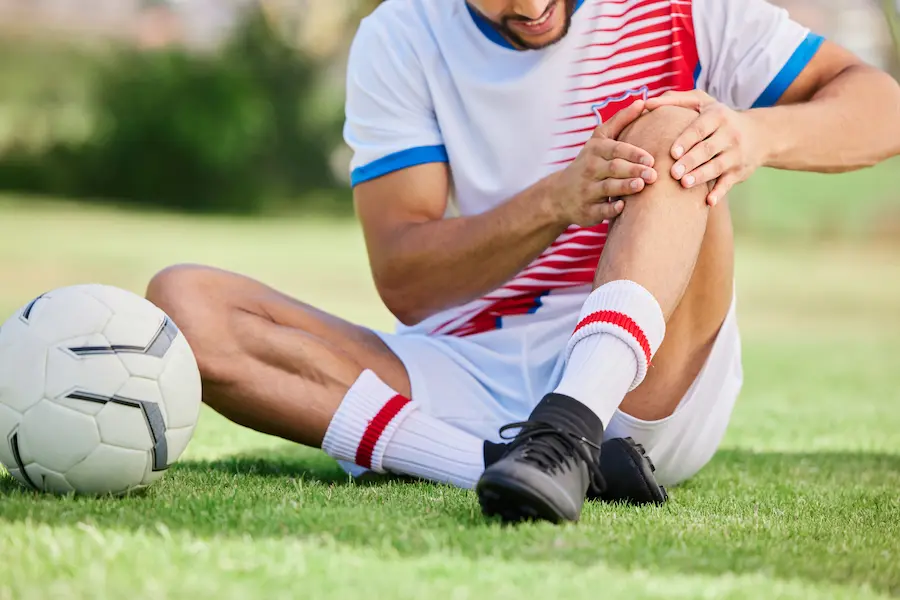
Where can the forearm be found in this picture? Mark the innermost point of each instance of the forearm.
(851, 123)
(437, 264)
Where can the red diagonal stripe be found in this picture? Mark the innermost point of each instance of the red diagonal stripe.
(620, 15)
(376, 428)
(652, 14)
(661, 42)
(644, 30)
(657, 75)
(620, 320)
(665, 54)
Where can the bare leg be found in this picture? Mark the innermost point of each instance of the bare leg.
(671, 243)
(663, 286)
(269, 362)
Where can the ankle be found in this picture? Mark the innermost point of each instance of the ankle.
(569, 414)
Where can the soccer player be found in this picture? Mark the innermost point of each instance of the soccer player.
(543, 189)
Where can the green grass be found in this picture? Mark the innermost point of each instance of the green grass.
(803, 500)
(859, 205)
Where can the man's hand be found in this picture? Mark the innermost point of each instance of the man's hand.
(722, 145)
(605, 169)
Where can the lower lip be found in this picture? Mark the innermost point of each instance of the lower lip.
(545, 27)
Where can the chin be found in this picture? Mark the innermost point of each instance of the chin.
(547, 39)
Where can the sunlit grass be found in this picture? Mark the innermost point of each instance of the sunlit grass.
(801, 502)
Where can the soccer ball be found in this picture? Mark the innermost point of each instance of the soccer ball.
(99, 392)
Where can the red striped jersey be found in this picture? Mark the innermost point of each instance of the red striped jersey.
(432, 81)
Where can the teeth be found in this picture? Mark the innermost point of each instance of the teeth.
(540, 21)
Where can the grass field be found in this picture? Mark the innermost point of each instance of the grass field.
(803, 500)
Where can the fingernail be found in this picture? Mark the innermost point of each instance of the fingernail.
(647, 175)
(713, 200)
(636, 184)
(678, 171)
(678, 152)
(619, 206)
(689, 180)
(647, 161)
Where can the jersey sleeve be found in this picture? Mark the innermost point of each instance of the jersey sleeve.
(390, 121)
(750, 51)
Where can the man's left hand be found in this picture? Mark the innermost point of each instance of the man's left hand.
(722, 145)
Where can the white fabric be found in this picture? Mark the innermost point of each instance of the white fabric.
(412, 443)
(743, 45)
(599, 373)
(431, 449)
(633, 300)
(426, 84)
(481, 383)
(364, 400)
(604, 359)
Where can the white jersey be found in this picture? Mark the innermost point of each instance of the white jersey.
(432, 81)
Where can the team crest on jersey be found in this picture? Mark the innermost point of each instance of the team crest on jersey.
(607, 108)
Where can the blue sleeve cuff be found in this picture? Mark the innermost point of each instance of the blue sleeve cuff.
(397, 161)
(795, 65)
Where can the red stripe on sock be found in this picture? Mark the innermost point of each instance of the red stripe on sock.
(376, 427)
(620, 320)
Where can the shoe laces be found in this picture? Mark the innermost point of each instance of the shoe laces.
(551, 446)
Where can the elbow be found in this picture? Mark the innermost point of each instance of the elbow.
(401, 303)
(408, 316)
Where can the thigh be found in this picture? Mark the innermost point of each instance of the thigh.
(268, 361)
(359, 344)
(204, 300)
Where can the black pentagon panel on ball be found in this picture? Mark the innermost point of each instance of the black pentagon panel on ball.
(156, 425)
(17, 457)
(26, 313)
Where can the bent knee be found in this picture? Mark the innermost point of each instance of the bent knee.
(656, 131)
(185, 292)
(195, 298)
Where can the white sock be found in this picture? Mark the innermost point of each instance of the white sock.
(378, 429)
(620, 330)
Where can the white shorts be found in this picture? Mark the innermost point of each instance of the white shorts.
(483, 382)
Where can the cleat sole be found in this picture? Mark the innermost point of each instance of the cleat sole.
(514, 502)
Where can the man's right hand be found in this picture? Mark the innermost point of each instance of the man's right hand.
(589, 190)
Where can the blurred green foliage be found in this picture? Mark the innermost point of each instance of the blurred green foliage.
(230, 131)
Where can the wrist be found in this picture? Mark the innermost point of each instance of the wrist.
(767, 134)
(550, 208)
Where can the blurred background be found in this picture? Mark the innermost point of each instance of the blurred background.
(134, 133)
(235, 106)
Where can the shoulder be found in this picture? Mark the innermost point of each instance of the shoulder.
(393, 52)
(402, 28)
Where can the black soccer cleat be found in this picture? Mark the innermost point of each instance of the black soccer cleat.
(627, 471)
(629, 475)
(548, 467)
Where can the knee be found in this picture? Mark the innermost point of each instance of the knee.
(192, 296)
(177, 290)
(657, 131)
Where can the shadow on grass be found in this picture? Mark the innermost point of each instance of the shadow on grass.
(288, 463)
(285, 464)
(282, 463)
(823, 517)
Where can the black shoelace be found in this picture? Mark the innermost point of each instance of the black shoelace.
(553, 446)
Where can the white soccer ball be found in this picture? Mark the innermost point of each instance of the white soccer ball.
(99, 392)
